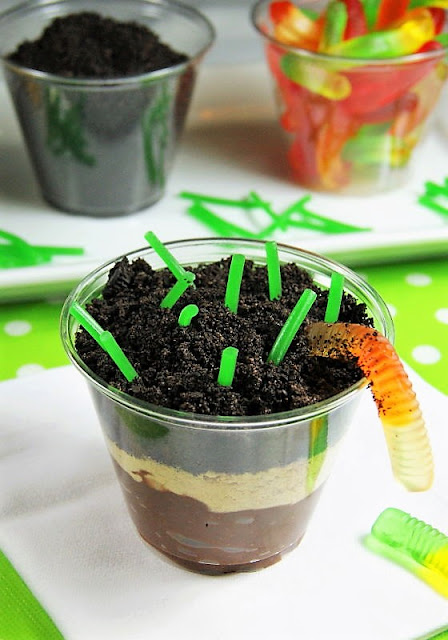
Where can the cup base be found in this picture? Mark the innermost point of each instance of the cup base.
(186, 531)
(209, 569)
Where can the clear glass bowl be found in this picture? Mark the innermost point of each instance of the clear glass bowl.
(350, 125)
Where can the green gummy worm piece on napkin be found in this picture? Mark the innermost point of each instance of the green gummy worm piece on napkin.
(22, 617)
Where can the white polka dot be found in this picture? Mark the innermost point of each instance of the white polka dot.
(418, 279)
(17, 328)
(29, 370)
(392, 310)
(442, 315)
(426, 354)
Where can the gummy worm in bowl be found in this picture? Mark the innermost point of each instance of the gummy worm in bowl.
(399, 411)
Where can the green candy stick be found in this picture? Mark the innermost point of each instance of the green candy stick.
(187, 314)
(291, 326)
(274, 273)
(218, 225)
(173, 265)
(234, 282)
(105, 340)
(334, 297)
(262, 204)
(85, 319)
(227, 367)
(110, 346)
(174, 294)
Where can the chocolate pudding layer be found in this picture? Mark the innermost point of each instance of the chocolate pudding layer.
(213, 542)
(219, 500)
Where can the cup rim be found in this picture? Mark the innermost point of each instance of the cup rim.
(202, 421)
(343, 60)
(30, 6)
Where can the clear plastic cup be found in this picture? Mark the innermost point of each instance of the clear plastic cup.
(350, 125)
(104, 147)
(222, 494)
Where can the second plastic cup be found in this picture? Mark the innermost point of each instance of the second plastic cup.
(222, 494)
(104, 147)
(352, 125)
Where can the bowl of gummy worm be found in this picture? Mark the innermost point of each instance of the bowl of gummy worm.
(356, 83)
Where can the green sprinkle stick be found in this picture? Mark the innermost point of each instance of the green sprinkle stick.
(255, 198)
(105, 339)
(110, 346)
(434, 189)
(174, 294)
(291, 326)
(306, 219)
(430, 203)
(274, 274)
(334, 297)
(85, 319)
(18, 253)
(173, 265)
(59, 251)
(234, 282)
(227, 367)
(187, 314)
(218, 225)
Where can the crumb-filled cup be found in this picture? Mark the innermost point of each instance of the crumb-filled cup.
(220, 494)
(104, 147)
(351, 125)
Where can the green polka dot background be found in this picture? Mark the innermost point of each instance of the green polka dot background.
(417, 295)
(29, 338)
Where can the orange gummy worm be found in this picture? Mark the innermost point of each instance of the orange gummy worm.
(293, 27)
(404, 428)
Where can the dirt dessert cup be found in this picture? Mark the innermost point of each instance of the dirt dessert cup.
(104, 146)
(215, 493)
(355, 88)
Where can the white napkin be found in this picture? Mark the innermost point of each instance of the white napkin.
(64, 526)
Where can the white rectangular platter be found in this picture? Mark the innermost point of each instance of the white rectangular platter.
(229, 149)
